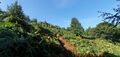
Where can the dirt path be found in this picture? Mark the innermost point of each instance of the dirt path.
(68, 47)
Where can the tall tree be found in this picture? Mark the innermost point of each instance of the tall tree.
(15, 11)
(15, 14)
(76, 26)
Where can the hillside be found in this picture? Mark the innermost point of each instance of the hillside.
(21, 36)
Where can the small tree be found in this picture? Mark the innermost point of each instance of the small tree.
(76, 27)
(90, 31)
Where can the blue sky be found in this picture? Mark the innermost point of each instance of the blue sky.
(60, 12)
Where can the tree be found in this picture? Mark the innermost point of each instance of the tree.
(90, 31)
(15, 12)
(112, 18)
(76, 27)
(16, 15)
(3, 15)
(108, 31)
(104, 30)
(34, 20)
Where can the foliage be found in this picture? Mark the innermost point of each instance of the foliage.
(76, 27)
(108, 31)
(90, 31)
(112, 18)
(11, 45)
(15, 12)
(22, 37)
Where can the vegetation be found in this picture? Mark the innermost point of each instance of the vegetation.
(21, 36)
(76, 27)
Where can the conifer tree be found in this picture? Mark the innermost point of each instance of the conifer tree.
(76, 26)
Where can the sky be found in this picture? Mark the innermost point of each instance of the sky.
(60, 12)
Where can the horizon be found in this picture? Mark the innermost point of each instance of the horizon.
(60, 12)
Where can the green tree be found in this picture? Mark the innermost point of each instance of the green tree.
(104, 30)
(3, 15)
(34, 20)
(16, 15)
(108, 31)
(90, 31)
(76, 27)
(15, 12)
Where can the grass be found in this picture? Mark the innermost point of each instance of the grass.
(96, 45)
(107, 46)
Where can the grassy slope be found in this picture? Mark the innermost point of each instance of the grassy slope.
(107, 46)
(93, 46)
